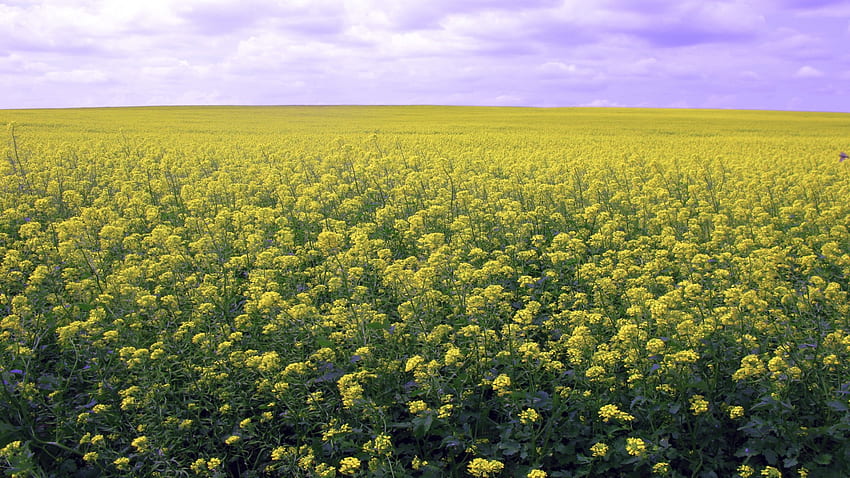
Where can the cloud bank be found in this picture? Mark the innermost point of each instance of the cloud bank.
(781, 54)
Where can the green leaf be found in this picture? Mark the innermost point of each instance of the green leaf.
(421, 425)
(9, 433)
(510, 447)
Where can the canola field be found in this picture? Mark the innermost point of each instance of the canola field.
(424, 292)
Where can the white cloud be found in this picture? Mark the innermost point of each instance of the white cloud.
(808, 72)
(836, 9)
(76, 76)
(508, 100)
(536, 52)
(603, 103)
(749, 75)
(557, 67)
(720, 101)
(679, 104)
(642, 67)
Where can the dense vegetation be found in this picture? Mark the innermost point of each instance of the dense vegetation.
(424, 291)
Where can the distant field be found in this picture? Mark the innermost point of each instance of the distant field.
(424, 291)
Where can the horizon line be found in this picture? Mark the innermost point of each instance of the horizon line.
(412, 105)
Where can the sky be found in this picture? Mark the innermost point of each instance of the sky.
(757, 54)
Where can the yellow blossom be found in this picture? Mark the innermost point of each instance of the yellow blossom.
(482, 468)
(140, 444)
(501, 384)
(122, 463)
(417, 406)
(529, 415)
(380, 445)
(635, 446)
(612, 412)
(745, 471)
(771, 472)
(349, 465)
(599, 449)
(698, 404)
(736, 412)
(279, 453)
(413, 363)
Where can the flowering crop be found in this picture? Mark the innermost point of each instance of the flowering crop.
(424, 291)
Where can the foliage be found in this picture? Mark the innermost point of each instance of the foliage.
(423, 291)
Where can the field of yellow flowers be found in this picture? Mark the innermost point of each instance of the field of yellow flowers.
(424, 291)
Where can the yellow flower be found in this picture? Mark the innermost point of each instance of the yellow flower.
(417, 406)
(536, 474)
(349, 465)
(198, 466)
(776, 364)
(655, 346)
(140, 444)
(609, 412)
(90, 456)
(122, 463)
(381, 445)
(481, 468)
(232, 439)
(306, 461)
(323, 470)
(269, 300)
(599, 449)
(736, 412)
(529, 415)
(595, 372)
(453, 356)
(661, 468)
(745, 471)
(698, 404)
(350, 389)
(329, 241)
(501, 385)
(334, 430)
(279, 453)
(771, 472)
(684, 356)
(751, 366)
(413, 363)
(635, 446)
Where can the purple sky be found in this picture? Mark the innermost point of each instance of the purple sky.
(762, 54)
